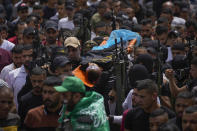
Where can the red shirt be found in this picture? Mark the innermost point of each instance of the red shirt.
(13, 40)
(38, 118)
(123, 120)
(5, 58)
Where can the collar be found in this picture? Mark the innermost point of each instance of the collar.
(58, 112)
(22, 69)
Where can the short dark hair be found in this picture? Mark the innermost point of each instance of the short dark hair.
(32, 17)
(37, 71)
(19, 23)
(185, 95)
(60, 2)
(168, 127)
(191, 22)
(102, 4)
(162, 20)
(160, 29)
(191, 109)
(150, 12)
(167, 11)
(37, 7)
(146, 21)
(27, 46)
(53, 81)
(158, 112)
(148, 85)
(18, 49)
(100, 24)
(194, 61)
(4, 28)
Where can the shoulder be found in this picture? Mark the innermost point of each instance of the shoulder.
(26, 97)
(14, 72)
(8, 67)
(171, 114)
(62, 20)
(134, 111)
(34, 115)
(36, 111)
(4, 52)
(13, 119)
(9, 43)
(173, 120)
(13, 116)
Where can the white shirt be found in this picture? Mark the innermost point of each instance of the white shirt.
(55, 18)
(7, 45)
(177, 21)
(65, 24)
(90, 3)
(16, 80)
(169, 55)
(112, 107)
(5, 72)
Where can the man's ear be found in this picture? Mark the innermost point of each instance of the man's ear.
(56, 72)
(154, 96)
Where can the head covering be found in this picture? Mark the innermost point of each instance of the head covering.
(22, 6)
(28, 31)
(71, 84)
(138, 72)
(51, 25)
(60, 61)
(146, 60)
(72, 41)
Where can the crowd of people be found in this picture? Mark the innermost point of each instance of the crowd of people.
(98, 65)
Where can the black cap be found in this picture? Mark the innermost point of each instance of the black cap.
(60, 61)
(22, 6)
(51, 25)
(69, 7)
(29, 31)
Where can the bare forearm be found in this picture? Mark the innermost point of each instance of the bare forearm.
(175, 89)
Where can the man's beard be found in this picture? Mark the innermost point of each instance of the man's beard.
(37, 90)
(70, 106)
(51, 41)
(27, 64)
(17, 65)
(52, 104)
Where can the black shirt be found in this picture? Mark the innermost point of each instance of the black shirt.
(138, 120)
(28, 102)
(49, 12)
(176, 121)
(191, 84)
